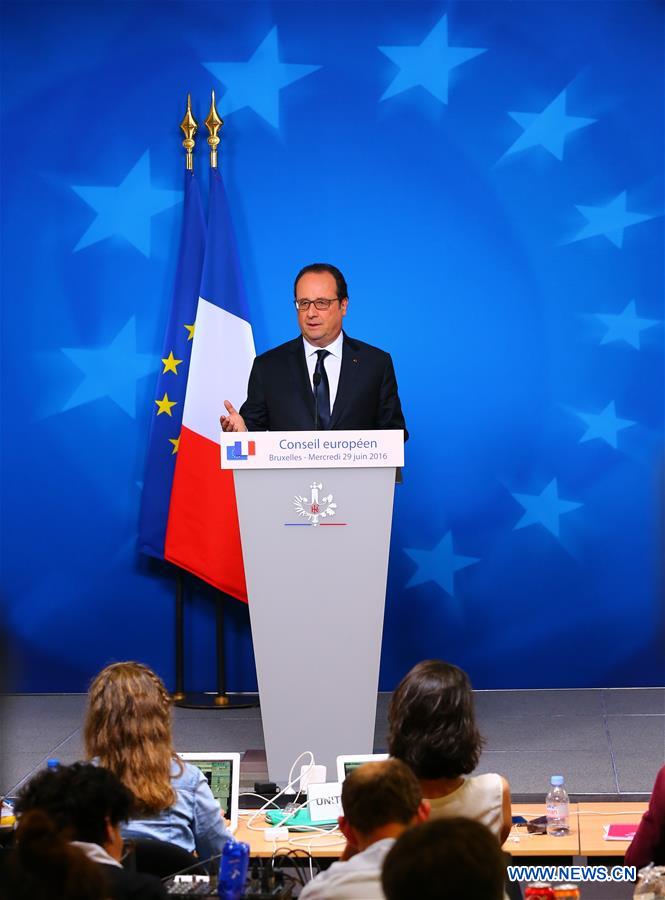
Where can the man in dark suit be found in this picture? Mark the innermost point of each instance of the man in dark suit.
(323, 379)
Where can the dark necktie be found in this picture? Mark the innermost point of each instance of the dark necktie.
(322, 390)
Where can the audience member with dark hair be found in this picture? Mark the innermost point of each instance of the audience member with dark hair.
(380, 800)
(648, 845)
(84, 805)
(44, 865)
(128, 730)
(445, 859)
(433, 730)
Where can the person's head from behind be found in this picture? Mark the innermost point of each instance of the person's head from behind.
(84, 802)
(44, 865)
(445, 859)
(380, 799)
(321, 298)
(128, 729)
(432, 723)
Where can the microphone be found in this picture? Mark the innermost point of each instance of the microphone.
(316, 378)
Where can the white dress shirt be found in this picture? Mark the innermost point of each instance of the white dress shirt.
(96, 853)
(333, 363)
(357, 879)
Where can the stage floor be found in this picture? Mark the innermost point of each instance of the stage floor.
(608, 743)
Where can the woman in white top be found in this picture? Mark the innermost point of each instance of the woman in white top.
(433, 730)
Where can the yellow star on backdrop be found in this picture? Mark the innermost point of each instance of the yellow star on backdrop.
(176, 444)
(191, 328)
(164, 405)
(171, 364)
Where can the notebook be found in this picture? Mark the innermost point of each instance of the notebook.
(346, 764)
(222, 772)
(619, 831)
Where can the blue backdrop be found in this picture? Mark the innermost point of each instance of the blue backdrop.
(489, 177)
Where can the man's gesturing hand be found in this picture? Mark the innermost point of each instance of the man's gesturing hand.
(234, 421)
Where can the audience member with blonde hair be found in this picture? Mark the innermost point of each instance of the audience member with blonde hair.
(433, 730)
(128, 730)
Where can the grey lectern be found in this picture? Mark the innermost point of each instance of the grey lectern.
(315, 510)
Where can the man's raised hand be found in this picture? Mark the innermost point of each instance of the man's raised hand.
(234, 421)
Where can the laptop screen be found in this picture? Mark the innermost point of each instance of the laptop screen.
(346, 764)
(351, 766)
(219, 775)
(222, 772)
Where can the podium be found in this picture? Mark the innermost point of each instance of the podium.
(315, 511)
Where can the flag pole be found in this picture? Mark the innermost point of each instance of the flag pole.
(189, 127)
(219, 699)
(213, 123)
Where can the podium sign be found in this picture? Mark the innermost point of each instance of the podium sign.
(315, 512)
(312, 449)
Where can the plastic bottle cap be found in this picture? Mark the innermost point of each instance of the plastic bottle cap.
(556, 780)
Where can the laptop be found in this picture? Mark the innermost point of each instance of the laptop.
(346, 764)
(222, 772)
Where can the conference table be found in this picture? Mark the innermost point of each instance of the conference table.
(520, 843)
(585, 838)
(592, 817)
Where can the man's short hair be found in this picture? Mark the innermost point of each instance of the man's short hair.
(380, 793)
(445, 859)
(78, 799)
(319, 268)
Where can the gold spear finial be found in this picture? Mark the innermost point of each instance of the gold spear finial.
(189, 127)
(213, 124)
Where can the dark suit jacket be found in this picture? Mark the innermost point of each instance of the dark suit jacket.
(125, 885)
(280, 397)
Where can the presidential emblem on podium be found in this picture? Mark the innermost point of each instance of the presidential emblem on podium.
(315, 507)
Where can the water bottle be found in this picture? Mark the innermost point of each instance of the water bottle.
(557, 808)
(233, 867)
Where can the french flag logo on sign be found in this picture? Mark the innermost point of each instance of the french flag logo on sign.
(236, 451)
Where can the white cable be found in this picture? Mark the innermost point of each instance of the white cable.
(335, 833)
(289, 785)
(314, 834)
(618, 812)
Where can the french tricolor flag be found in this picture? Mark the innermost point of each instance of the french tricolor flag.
(202, 532)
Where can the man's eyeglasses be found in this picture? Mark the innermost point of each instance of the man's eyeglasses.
(321, 304)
